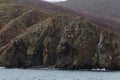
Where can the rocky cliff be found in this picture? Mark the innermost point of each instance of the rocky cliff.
(38, 38)
(20, 24)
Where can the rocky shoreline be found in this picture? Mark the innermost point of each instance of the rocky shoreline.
(61, 41)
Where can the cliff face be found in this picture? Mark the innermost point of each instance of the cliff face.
(64, 42)
(36, 44)
(108, 49)
(40, 39)
(84, 45)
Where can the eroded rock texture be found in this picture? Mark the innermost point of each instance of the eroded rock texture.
(108, 52)
(21, 24)
(40, 39)
(77, 45)
(37, 45)
(66, 43)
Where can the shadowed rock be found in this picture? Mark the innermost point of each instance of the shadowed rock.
(34, 43)
(77, 45)
(40, 39)
(108, 52)
(63, 42)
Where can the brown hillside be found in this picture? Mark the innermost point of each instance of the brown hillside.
(64, 42)
(10, 11)
(31, 43)
(20, 24)
(68, 8)
(36, 38)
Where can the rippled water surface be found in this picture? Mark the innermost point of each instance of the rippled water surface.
(44, 74)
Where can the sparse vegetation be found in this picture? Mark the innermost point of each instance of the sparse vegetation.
(10, 11)
(40, 37)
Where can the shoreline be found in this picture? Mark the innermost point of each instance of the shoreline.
(58, 69)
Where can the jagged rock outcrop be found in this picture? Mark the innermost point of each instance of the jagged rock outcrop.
(107, 55)
(77, 45)
(21, 24)
(64, 42)
(35, 47)
(51, 41)
(38, 38)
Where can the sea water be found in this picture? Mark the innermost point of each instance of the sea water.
(47, 74)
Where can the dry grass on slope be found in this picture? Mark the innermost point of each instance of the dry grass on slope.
(10, 11)
(20, 25)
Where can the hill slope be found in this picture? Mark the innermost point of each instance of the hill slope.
(72, 7)
(103, 8)
(20, 25)
(36, 38)
(10, 11)
(64, 42)
(102, 12)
